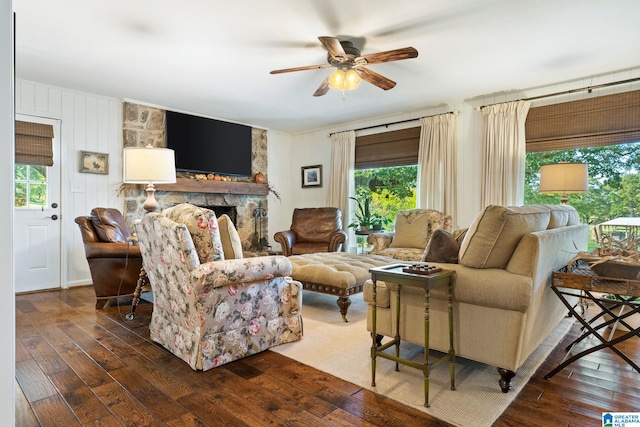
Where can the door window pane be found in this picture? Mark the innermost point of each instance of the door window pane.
(21, 194)
(38, 173)
(31, 186)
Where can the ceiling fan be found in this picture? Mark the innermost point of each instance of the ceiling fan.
(351, 65)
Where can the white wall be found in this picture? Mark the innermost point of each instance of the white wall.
(7, 299)
(87, 123)
(279, 176)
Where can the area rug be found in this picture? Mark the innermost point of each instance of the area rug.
(343, 350)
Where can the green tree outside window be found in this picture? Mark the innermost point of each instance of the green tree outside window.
(30, 186)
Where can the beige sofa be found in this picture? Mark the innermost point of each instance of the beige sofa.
(503, 304)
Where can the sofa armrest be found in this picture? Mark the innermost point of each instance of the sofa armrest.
(239, 271)
(380, 241)
(336, 239)
(286, 239)
(111, 250)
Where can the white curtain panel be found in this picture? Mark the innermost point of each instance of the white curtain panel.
(504, 154)
(437, 164)
(341, 182)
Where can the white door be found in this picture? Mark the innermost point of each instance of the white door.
(36, 234)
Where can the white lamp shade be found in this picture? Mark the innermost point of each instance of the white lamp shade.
(144, 165)
(564, 178)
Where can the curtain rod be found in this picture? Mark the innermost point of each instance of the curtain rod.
(393, 123)
(566, 92)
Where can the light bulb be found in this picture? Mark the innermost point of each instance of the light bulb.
(352, 80)
(336, 79)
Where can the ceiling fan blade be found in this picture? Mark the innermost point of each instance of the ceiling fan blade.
(390, 55)
(334, 47)
(323, 88)
(307, 67)
(376, 79)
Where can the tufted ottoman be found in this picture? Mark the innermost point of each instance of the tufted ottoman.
(336, 273)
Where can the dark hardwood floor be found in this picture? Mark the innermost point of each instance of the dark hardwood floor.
(79, 366)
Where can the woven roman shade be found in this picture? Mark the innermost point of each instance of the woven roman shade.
(605, 120)
(34, 145)
(387, 149)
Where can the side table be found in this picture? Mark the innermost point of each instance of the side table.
(580, 283)
(394, 274)
(360, 234)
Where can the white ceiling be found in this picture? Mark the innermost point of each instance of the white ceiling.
(212, 57)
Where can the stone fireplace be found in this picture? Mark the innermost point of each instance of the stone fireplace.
(145, 125)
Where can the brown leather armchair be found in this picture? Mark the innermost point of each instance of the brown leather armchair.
(114, 263)
(312, 230)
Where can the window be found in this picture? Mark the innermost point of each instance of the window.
(387, 172)
(614, 181)
(391, 189)
(31, 186)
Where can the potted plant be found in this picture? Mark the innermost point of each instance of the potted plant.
(363, 214)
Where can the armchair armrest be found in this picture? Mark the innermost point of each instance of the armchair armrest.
(286, 239)
(380, 241)
(337, 237)
(111, 250)
(236, 271)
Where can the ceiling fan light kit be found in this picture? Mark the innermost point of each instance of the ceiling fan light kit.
(351, 66)
(343, 80)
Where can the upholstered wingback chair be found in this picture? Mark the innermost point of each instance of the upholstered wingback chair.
(412, 231)
(312, 230)
(113, 262)
(209, 310)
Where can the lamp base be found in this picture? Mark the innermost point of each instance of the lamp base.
(151, 204)
(564, 199)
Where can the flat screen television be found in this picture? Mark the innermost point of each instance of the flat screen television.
(209, 146)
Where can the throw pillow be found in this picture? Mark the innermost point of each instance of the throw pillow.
(496, 231)
(413, 228)
(459, 235)
(229, 237)
(442, 247)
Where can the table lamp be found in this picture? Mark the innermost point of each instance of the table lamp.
(149, 165)
(564, 178)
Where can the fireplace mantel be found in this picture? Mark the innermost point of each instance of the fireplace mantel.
(187, 185)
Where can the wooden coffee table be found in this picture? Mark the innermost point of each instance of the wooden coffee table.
(404, 274)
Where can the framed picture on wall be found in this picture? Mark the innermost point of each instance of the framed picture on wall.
(312, 176)
(91, 162)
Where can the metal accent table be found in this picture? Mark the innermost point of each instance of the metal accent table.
(394, 274)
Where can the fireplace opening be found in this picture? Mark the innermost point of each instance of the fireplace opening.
(230, 211)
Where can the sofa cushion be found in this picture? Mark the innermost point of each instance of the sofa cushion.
(562, 215)
(496, 231)
(383, 296)
(203, 227)
(442, 247)
(402, 254)
(229, 237)
(414, 227)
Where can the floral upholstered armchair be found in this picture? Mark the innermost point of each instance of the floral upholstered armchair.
(413, 230)
(209, 310)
